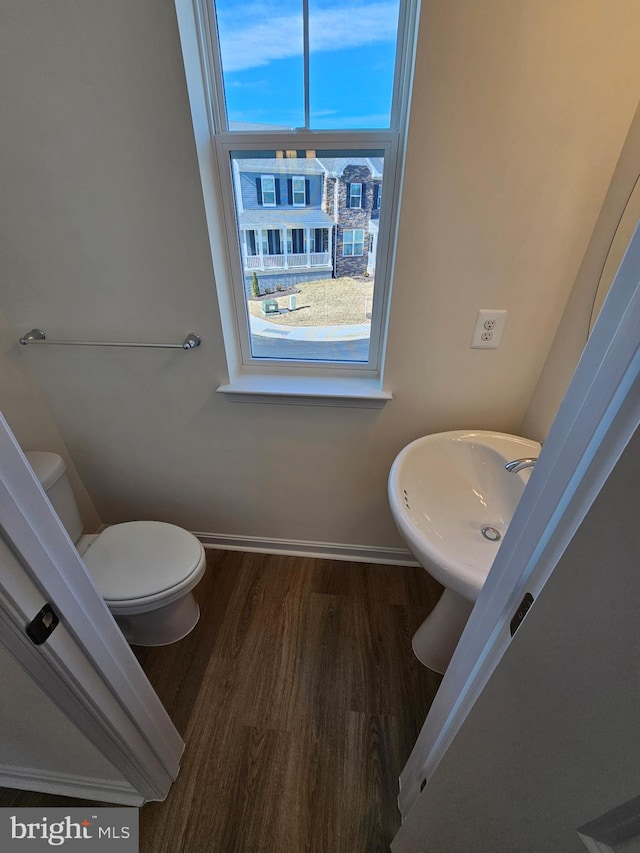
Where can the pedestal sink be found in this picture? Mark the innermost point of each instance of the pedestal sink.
(452, 500)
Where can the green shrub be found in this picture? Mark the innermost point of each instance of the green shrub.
(255, 287)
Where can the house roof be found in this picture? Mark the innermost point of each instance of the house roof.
(311, 166)
(339, 164)
(279, 166)
(291, 217)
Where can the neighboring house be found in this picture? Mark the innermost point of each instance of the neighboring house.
(354, 195)
(303, 219)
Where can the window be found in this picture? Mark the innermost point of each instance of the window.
(298, 192)
(250, 243)
(297, 156)
(296, 244)
(355, 195)
(353, 242)
(266, 189)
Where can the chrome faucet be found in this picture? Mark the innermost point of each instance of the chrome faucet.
(519, 464)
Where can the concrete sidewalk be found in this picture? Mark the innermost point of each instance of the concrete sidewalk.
(310, 343)
(275, 331)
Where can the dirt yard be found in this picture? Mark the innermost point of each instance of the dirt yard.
(328, 302)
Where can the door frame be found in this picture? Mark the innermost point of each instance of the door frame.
(596, 419)
(88, 670)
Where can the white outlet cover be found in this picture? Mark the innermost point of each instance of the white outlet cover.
(487, 332)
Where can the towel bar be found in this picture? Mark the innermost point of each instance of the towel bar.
(37, 336)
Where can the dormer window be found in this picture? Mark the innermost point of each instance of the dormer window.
(267, 190)
(298, 192)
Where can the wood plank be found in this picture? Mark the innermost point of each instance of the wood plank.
(371, 765)
(299, 699)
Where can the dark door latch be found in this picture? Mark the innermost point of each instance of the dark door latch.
(41, 628)
(521, 612)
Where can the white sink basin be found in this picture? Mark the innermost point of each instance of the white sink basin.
(452, 500)
(445, 488)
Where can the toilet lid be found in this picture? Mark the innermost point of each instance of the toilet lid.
(139, 559)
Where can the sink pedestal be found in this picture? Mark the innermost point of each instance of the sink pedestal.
(436, 639)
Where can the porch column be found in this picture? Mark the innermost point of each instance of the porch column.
(283, 246)
(259, 239)
(307, 240)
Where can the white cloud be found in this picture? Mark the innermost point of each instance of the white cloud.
(280, 36)
(373, 120)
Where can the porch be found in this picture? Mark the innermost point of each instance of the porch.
(286, 261)
(274, 241)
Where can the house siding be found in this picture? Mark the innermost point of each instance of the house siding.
(251, 201)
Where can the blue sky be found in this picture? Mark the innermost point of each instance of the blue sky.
(352, 53)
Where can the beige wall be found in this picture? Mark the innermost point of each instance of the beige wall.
(519, 114)
(552, 742)
(574, 327)
(24, 405)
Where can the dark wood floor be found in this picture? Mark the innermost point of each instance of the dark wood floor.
(299, 700)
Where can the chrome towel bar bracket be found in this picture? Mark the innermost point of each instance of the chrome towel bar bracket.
(37, 336)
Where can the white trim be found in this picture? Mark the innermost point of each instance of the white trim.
(65, 785)
(194, 37)
(599, 414)
(306, 54)
(301, 548)
(594, 846)
(303, 390)
(86, 666)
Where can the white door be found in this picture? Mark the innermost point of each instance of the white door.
(85, 667)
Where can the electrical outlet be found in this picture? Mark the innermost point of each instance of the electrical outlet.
(488, 329)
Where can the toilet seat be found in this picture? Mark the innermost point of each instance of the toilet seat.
(139, 563)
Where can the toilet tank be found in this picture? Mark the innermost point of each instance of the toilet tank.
(50, 469)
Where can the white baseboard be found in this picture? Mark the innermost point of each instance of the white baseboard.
(298, 548)
(65, 785)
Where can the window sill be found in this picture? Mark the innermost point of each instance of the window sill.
(306, 391)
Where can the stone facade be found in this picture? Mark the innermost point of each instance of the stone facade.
(328, 195)
(353, 217)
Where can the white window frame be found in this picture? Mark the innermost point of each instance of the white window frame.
(355, 196)
(272, 191)
(352, 242)
(295, 203)
(273, 380)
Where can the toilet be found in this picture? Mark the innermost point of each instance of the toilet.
(144, 570)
